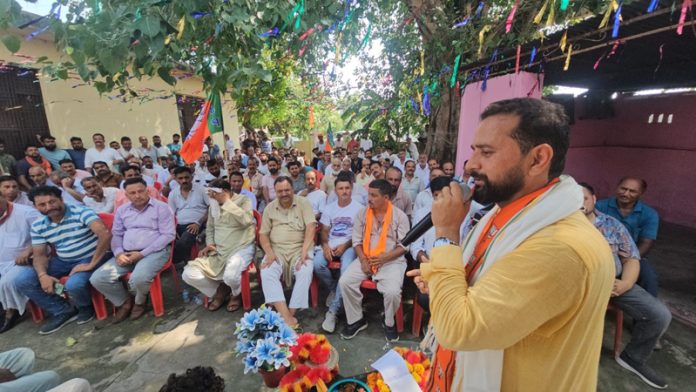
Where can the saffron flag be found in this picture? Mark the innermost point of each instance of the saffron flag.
(329, 145)
(208, 122)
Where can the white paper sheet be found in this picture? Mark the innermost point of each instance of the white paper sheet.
(393, 369)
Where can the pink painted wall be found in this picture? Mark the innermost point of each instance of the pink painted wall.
(603, 151)
(474, 101)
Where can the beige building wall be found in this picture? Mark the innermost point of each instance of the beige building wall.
(76, 109)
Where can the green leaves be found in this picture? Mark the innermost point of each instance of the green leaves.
(11, 42)
(165, 74)
(149, 25)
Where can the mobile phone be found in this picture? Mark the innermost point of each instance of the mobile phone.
(58, 288)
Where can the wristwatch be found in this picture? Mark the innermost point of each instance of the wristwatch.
(442, 241)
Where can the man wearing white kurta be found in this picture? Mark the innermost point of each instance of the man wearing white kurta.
(229, 247)
(15, 250)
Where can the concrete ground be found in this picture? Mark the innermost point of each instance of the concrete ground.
(139, 356)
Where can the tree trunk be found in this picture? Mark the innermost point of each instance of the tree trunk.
(443, 129)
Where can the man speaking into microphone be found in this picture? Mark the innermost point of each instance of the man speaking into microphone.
(519, 304)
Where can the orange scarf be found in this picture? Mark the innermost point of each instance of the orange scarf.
(367, 239)
(45, 164)
(443, 365)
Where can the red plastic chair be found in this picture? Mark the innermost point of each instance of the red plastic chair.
(156, 296)
(36, 313)
(370, 285)
(618, 328)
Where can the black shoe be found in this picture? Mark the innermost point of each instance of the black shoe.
(351, 330)
(643, 371)
(58, 321)
(390, 333)
(85, 315)
(8, 323)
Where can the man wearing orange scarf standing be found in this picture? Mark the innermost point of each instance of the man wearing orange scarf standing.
(519, 304)
(376, 233)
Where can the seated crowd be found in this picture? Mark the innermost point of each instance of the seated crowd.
(339, 217)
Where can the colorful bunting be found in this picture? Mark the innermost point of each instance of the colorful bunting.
(540, 15)
(180, 27)
(422, 63)
(567, 61)
(367, 37)
(531, 58)
(617, 21)
(653, 5)
(659, 63)
(564, 4)
(426, 100)
(461, 24)
(306, 34)
(511, 16)
(311, 117)
(454, 70)
(199, 14)
(270, 33)
(686, 5)
(482, 34)
(479, 9)
(552, 14)
(564, 38)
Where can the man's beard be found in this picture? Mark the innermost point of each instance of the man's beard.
(273, 171)
(51, 148)
(216, 173)
(500, 192)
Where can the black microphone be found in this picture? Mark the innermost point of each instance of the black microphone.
(427, 222)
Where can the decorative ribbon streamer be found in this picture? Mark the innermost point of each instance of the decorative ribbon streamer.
(422, 63)
(540, 15)
(337, 58)
(180, 26)
(306, 34)
(420, 101)
(482, 33)
(552, 14)
(564, 4)
(531, 58)
(270, 33)
(617, 21)
(659, 63)
(414, 105)
(290, 16)
(56, 15)
(479, 9)
(567, 62)
(686, 5)
(564, 38)
(303, 50)
(426, 100)
(461, 24)
(605, 20)
(599, 60)
(457, 88)
(454, 70)
(367, 37)
(487, 70)
(508, 23)
(311, 117)
(299, 15)
(199, 14)
(517, 59)
(653, 5)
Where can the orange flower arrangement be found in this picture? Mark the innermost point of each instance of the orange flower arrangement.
(308, 360)
(312, 348)
(303, 378)
(416, 362)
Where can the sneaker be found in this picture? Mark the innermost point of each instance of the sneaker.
(390, 333)
(646, 374)
(329, 324)
(351, 330)
(330, 298)
(85, 315)
(58, 321)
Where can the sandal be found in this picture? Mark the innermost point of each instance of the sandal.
(235, 302)
(220, 298)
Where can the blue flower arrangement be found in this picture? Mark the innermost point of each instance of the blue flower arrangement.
(265, 339)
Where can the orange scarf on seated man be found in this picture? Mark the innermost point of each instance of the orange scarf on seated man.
(45, 164)
(367, 239)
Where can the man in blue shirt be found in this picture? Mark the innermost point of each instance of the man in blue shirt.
(51, 151)
(641, 220)
(650, 316)
(81, 243)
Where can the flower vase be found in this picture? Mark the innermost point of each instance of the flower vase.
(272, 377)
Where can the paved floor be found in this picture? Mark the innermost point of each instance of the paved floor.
(139, 356)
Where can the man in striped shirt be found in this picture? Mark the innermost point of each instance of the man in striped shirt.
(81, 244)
